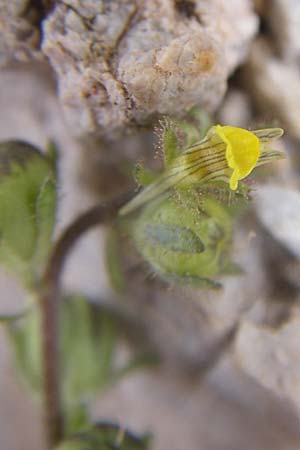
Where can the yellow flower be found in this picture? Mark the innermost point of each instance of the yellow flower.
(226, 153)
(242, 151)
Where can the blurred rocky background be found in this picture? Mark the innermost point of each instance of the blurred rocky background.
(96, 76)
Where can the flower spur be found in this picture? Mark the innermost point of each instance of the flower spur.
(226, 153)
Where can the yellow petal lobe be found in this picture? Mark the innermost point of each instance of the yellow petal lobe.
(242, 151)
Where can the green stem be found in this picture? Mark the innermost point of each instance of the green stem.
(50, 296)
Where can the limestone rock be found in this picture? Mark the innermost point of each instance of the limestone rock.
(20, 30)
(272, 357)
(120, 64)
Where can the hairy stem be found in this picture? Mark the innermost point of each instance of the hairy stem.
(50, 296)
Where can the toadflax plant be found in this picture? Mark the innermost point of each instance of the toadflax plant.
(181, 221)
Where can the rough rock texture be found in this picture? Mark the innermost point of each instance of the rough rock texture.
(121, 63)
(20, 30)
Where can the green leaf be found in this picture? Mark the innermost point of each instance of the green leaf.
(89, 336)
(106, 436)
(27, 209)
(89, 354)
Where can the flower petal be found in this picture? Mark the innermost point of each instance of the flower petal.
(242, 151)
(267, 135)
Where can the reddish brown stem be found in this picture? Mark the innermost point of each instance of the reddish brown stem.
(50, 296)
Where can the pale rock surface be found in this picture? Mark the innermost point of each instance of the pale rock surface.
(271, 356)
(235, 109)
(283, 17)
(17, 409)
(278, 209)
(120, 64)
(198, 416)
(275, 86)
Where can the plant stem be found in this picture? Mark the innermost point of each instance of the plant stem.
(50, 296)
(53, 414)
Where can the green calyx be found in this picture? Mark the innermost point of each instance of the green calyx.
(186, 240)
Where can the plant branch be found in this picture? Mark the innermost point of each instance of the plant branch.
(50, 296)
